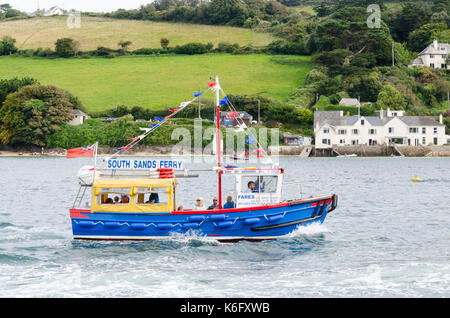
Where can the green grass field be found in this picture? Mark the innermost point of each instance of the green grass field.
(94, 32)
(158, 82)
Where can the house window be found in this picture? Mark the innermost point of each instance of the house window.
(342, 132)
(431, 56)
(355, 131)
(355, 142)
(326, 130)
(391, 130)
(413, 130)
(394, 114)
(372, 131)
(362, 122)
(443, 65)
(432, 65)
(342, 141)
(424, 141)
(435, 130)
(424, 130)
(326, 141)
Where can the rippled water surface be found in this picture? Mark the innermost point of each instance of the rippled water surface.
(389, 237)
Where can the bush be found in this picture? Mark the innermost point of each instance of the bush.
(225, 47)
(7, 46)
(191, 49)
(66, 47)
(285, 47)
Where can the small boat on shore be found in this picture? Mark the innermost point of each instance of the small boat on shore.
(347, 156)
(137, 199)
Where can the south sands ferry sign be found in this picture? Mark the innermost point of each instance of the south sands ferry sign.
(115, 163)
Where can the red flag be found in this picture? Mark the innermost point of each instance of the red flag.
(233, 115)
(132, 139)
(211, 84)
(80, 152)
(173, 110)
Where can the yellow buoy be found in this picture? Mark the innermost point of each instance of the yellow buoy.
(416, 179)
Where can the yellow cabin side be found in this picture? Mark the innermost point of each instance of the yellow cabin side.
(133, 195)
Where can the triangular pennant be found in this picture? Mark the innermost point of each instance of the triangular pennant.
(224, 101)
(211, 84)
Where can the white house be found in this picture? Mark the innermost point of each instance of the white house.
(333, 128)
(434, 56)
(50, 12)
(78, 118)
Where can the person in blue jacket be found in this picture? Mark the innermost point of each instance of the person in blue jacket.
(230, 204)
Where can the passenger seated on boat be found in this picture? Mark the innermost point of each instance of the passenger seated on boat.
(153, 199)
(125, 199)
(109, 201)
(230, 203)
(180, 208)
(116, 199)
(199, 204)
(251, 187)
(215, 205)
(259, 184)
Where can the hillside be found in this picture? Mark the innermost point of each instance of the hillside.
(94, 32)
(158, 82)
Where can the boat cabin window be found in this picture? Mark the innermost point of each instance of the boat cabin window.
(259, 184)
(151, 196)
(114, 196)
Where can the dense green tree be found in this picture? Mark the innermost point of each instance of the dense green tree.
(390, 97)
(66, 47)
(7, 46)
(34, 112)
(422, 37)
(410, 17)
(8, 86)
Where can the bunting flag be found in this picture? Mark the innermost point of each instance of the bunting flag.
(211, 84)
(159, 119)
(232, 115)
(155, 125)
(198, 94)
(122, 148)
(250, 141)
(224, 101)
(87, 151)
(173, 110)
(133, 139)
(241, 127)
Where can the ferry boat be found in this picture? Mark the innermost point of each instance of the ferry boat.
(134, 203)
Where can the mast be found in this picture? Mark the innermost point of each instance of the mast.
(219, 163)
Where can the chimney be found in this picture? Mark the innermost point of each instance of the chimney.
(435, 44)
(440, 119)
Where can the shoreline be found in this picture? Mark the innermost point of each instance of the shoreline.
(282, 151)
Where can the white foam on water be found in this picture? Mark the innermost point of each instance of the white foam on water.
(310, 229)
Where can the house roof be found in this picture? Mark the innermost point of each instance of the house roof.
(349, 102)
(436, 48)
(335, 120)
(77, 112)
(419, 121)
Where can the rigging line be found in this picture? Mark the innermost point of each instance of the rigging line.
(231, 107)
(133, 143)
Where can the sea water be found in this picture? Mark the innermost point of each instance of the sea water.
(388, 237)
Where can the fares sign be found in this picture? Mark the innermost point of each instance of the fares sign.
(143, 164)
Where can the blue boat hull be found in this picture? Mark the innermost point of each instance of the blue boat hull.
(254, 224)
